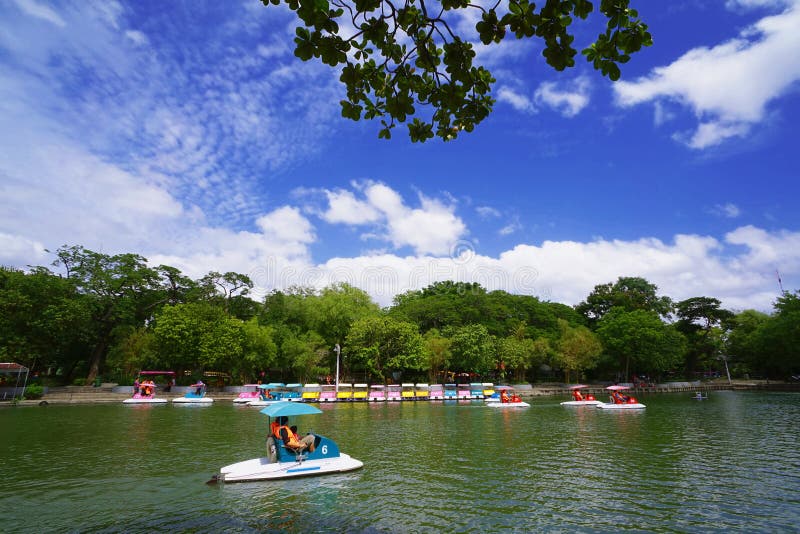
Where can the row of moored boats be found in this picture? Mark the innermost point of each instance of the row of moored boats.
(273, 392)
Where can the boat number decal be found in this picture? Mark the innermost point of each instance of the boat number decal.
(324, 449)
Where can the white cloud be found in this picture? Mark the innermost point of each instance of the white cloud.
(343, 207)
(778, 250)
(568, 98)
(487, 212)
(287, 225)
(510, 228)
(19, 251)
(138, 38)
(517, 101)
(200, 113)
(661, 114)
(728, 210)
(35, 9)
(739, 270)
(432, 228)
(730, 85)
(751, 4)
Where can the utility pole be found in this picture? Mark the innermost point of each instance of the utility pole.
(338, 350)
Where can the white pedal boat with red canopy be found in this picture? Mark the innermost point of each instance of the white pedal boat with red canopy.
(620, 401)
(579, 398)
(506, 398)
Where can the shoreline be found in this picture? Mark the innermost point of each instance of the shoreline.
(90, 395)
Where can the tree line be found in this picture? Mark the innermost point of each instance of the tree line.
(99, 315)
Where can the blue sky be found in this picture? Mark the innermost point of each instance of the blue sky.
(187, 132)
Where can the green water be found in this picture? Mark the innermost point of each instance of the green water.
(730, 462)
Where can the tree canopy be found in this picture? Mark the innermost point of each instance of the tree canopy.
(398, 59)
(112, 315)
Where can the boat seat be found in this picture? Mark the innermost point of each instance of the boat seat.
(285, 453)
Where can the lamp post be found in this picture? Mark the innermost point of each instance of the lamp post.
(338, 351)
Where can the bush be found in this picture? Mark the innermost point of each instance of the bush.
(79, 382)
(34, 391)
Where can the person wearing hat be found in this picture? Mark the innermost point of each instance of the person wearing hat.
(289, 436)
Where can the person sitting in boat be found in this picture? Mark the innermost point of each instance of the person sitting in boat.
(577, 395)
(264, 394)
(619, 398)
(289, 437)
(274, 428)
(136, 386)
(200, 385)
(504, 396)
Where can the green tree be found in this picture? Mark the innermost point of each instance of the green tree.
(442, 304)
(700, 319)
(337, 308)
(399, 59)
(306, 354)
(229, 290)
(122, 290)
(44, 320)
(259, 350)
(779, 339)
(639, 339)
(577, 350)
(381, 345)
(473, 349)
(135, 351)
(437, 354)
(518, 355)
(198, 336)
(628, 293)
(744, 342)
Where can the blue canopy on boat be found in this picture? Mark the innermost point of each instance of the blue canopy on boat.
(289, 408)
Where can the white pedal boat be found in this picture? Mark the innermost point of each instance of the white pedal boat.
(620, 402)
(626, 406)
(517, 404)
(579, 399)
(281, 463)
(137, 399)
(248, 395)
(197, 396)
(581, 403)
(505, 397)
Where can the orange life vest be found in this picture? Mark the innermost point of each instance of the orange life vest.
(293, 441)
(275, 429)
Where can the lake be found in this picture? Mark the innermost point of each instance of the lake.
(731, 462)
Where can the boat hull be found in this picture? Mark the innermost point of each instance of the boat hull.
(521, 404)
(262, 469)
(629, 406)
(144, 401)
(190, 400)
(581, 403)
(263, 402)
